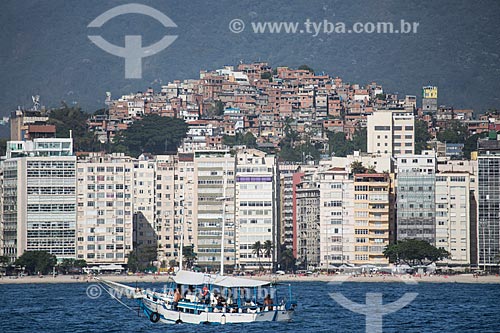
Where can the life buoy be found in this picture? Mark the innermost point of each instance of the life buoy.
(154, 317)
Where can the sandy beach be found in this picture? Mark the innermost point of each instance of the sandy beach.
(131, 279)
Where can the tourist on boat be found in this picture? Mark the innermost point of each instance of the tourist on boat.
(177, 298)
(205, 297)
(268, 301)
(221, 301)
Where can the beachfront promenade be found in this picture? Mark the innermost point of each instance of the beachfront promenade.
(460, 278)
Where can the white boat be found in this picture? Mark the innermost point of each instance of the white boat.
(211, 299)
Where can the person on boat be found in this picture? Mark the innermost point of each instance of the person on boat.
(189, 291)
(205, 297)
(268, 301)
(177, 298)
(221, 301)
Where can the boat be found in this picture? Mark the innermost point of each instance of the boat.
(210, 299)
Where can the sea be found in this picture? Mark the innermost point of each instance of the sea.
(438, 307)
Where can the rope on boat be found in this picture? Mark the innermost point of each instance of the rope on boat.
(116, 298)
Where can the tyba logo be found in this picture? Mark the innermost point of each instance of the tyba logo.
(133, 52)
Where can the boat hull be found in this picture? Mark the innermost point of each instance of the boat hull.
(204, 316)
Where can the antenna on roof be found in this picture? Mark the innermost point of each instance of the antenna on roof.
(36, 102)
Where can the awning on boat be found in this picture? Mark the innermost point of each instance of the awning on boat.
(195, 279)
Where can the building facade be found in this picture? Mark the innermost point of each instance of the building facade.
(105, 208)
(453, 211)
(306, 219)
(391, 132)
(415, 203)
(336, 218)
(371, 218)
(39, 198)
(256, 208)
(489, 203)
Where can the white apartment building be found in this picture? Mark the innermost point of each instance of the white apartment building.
(391, 132)
(256, 206)
(105, 208)
(453, 216)
(39, 198)
(336, 217)
(214, 183)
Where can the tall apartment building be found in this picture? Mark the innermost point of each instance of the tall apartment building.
(39, 198)
(286, 232)
(453, 211)
(256, 208)
(391, 132)
(144, 188)
(470, 168)
(416, 213)
(489, 203)
(336, 217)
(105, 208)
(371, 218)
(165, 204)
(215, 197)
(306, 219)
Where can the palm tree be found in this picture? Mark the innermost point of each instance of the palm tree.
(268, 250)
(287, 260)
(257, 249)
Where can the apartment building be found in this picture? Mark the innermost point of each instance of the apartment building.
(39, 198)
(306, 219)
(489, 203)
(416, 213)
(256, 207)
(105, 208)
(391, 131)
(371, 218)
(286, 232)
(336, 217)
(453, 215)
(144, 188)
(215, 198)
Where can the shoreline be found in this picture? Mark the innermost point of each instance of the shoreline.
(459, 278)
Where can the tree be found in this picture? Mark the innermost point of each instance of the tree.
(287, 261)
(36, 261)
(471, 143)
(266, 76)
(152, 134)
(257, 250)
(455, 132)
(71, 265)
(3, 146)
(268, 250)
(248, 140)
(357, 167)
(360, 140)
(73, 119)
(414, 251)
(339, 145)
(133, 261)
(307, 68)
(189, 255)
(422, 135)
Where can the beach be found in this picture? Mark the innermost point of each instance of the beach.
(150, 278)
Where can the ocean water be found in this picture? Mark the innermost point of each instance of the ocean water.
(439, 307)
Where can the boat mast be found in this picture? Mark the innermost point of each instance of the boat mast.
(224, 175)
